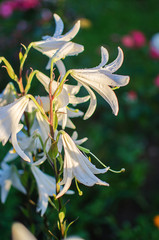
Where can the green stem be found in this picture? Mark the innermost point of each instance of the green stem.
(111, 170)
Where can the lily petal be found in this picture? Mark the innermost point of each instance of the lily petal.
(77, 165)
(100, 78)
(72, 33)
(59, 26)
(105, 57)
(93, 102)
(10, 116)
(68, 49)
(116, 64)
(46, 187)
(20, 232)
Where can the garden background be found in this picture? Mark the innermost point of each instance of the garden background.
(127, 209)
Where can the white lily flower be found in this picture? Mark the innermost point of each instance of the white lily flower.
(8, 95)
(100, 79)
(46, 187)
(62, 99)
(64, 115)
(20, 232)
(66, 96)
(31, 145)
(9, 176)
(72, 91)
(68, 49)
(10, 116)
(74, 137)
(78, 166)
(50, 45)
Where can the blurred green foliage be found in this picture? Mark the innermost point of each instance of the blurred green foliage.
(126, 209)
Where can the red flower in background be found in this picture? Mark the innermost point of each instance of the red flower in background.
(135, 39)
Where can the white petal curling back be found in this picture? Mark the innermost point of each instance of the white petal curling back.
(49, 45)
(59, 26)
(100, 78)
(77, 165)
(10, 116)
(59, 29)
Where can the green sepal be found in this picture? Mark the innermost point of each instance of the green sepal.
(86, 150)
(53, 151)
(60, 159)
(9, 69)
(55, 121)
(31, 117)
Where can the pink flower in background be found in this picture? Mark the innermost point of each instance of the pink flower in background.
(127, 41)
(139, 38)
(154, 46)
(132, 96)
(26, 4)
(7, 7)
(156, 81)
(135, 39)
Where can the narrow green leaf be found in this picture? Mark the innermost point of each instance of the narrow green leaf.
(69, 226)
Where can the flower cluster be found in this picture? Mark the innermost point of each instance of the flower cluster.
(8, 7)
(36, 125)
